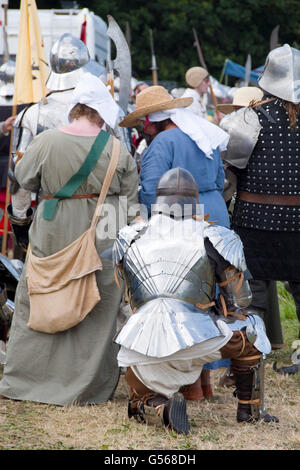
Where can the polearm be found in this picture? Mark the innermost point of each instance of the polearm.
(122, 62)
(4, 4)
(248, 67)
(31, 71)
(274, 38)
(110, 72)
(202, 62)
(128, 36)
(154, 67)
(197, 45)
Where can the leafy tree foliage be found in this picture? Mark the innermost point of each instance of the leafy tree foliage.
(226, 29)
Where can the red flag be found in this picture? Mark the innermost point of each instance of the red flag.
(83, 32)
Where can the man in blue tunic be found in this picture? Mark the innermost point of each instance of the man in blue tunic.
(180, 139)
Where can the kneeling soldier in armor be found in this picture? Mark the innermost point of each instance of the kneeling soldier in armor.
(187, 284)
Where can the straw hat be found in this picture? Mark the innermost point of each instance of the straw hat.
(195, 76)
(152, 99)
(242, 98)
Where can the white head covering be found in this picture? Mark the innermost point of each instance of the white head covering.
(207, 136)
(92, 92)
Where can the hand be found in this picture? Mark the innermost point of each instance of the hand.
(217, 118)
(8, 124)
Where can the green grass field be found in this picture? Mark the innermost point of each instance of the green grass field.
(27, 425)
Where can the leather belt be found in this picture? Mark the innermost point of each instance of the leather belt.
(269, 199)
(75, 196)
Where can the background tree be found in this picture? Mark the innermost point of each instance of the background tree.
(226, 28)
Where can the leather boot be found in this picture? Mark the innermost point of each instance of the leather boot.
(147, 409)
(193, 391)
(205, 383)
(199, 389)
(243, 392)
(155, 409)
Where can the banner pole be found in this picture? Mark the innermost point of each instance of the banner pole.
(7, 196)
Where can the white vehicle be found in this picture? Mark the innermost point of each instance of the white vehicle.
(53, 24)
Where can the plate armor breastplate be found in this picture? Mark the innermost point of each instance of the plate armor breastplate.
(167, 272)
(157, 266)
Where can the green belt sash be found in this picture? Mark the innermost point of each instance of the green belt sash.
(76, 181)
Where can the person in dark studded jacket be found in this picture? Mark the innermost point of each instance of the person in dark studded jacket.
(264, 151)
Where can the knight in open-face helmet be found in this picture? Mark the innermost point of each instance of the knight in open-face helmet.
(171, 266)
(69, 60)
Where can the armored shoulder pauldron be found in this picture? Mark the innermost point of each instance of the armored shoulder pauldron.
(244, 128)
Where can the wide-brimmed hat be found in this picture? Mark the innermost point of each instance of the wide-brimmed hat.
(242, 98)
(152, 99)
(195, 76)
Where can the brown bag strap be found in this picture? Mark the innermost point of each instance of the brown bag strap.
(107, 180)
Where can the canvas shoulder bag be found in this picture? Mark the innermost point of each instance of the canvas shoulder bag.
(62, 287)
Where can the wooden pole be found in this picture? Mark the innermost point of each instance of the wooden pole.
(154, 67)
(7, 197)
(213, 96)
(154, 76)
(202, 62)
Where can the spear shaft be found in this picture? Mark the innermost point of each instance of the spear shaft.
(202, 62)
(154, 67)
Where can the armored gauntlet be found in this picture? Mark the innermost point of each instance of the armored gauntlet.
(20, 226)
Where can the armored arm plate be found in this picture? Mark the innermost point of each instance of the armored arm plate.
(228, 244)
(127, 235)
